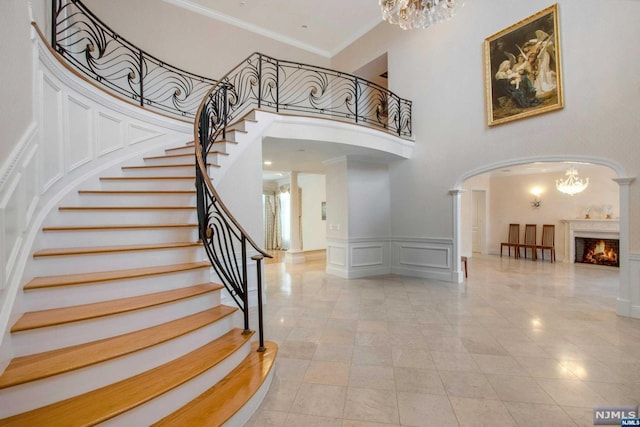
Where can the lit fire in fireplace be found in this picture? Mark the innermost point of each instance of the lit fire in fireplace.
(600, 253)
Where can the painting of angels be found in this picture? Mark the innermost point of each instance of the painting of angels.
(523, 75)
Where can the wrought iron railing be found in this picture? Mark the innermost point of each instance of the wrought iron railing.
(119, 66)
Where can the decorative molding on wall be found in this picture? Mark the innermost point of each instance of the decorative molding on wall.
(632, 305)
(429, 258)
(423, 257)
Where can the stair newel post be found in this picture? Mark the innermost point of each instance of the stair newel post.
(245, 286)
(140, 66)
(259, 80)
(258, 260)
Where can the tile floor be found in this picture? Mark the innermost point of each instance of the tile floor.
(519, 343)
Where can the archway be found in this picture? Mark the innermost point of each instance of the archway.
(623, 300)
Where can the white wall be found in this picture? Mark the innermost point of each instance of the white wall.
(314, 229)
(189, 40)
(441, 71)
(15, 78)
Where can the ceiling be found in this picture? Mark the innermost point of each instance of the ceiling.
(322, 27)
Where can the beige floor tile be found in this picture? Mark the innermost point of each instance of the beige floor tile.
(319, 399)
(512, 388)
(367, 404)
(491, 364)
(537, 415)
(461, 362)
(324, 372)
(481, 412)
(297, 420)
(571, 393)
(371, 376)
(426, 381)
(467, 384)
(417, 409)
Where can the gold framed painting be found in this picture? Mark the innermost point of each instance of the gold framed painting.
(523, 73)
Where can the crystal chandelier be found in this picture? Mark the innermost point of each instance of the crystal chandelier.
(572, 184)
(410, 14)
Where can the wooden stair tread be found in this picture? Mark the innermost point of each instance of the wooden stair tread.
(104, 249)
(43, 365)
(190, 155)
(116, 227)
(219, 403)
(104, 276)
(134, 178)
(155, 192)
(59, 316)
(107, 402)
(167, 166)
(124, 208)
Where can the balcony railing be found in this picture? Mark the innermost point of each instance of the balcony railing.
(120, 67)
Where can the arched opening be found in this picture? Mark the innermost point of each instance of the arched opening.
(518, 178)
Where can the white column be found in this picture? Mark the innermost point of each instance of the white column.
(625, 294)
(457, 273)
(295, 254)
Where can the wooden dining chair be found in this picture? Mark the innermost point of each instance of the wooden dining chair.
(529, 241)
(513, 240)
(548, 239)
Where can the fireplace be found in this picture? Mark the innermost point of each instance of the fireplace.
(598, 230)
(597, 251)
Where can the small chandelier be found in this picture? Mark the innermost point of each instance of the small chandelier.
(410, 14)
(572, 184)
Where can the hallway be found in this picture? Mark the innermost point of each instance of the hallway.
(518, 343)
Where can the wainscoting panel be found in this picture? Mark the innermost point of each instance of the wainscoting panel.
(80, 123)
(10, 210)
(367, 256)
(52, 149)
(109, 134)
(357, 258)
(428, 258)
(138, 134)
(634, 284)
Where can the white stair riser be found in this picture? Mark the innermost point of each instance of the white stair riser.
(59, 336)
(225, 147)
(112, 237)
(88, 263)
(169, 402)
(49, 390)
(122, 217)
(65, 296)
(148, 184)
(130, 199)
(213, 158)
(163, 171)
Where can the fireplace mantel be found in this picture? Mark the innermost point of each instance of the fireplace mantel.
(597, 228)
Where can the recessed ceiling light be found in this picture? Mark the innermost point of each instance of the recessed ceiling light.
(268, 162)
(304, 26)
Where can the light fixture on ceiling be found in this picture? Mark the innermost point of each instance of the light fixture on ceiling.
(571, 184)
(410, 14)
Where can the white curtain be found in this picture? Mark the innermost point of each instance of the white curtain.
(272, 229)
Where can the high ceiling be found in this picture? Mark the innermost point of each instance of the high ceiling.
(322, 27)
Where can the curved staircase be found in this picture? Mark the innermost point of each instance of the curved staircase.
(122, 322)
